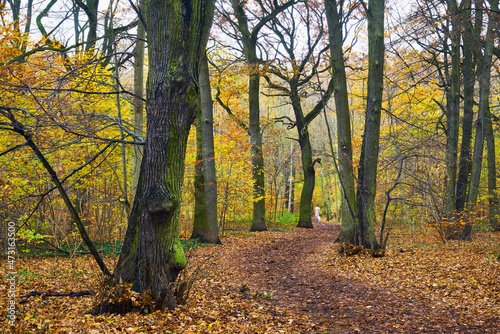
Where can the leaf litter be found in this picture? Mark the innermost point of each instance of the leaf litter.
(285, 282)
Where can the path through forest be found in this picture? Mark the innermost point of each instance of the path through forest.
(296, 269)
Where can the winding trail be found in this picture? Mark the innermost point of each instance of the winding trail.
(294, 267)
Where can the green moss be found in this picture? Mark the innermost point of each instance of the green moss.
(179, 258)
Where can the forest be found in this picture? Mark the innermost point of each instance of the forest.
(249, 166)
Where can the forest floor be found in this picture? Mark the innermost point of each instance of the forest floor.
(286, 282)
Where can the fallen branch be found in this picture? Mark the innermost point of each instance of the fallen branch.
(53, 294)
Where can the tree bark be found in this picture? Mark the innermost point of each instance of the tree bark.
(249, 40)
(367, 176)
(483, 116)
(177, 35)
(205, 227)
(494, 210)
(345, 166)
(307, 163)
(469, 81)
(452, 119)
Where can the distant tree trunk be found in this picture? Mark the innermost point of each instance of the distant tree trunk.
(307, 163)
(91, 9)
(494, 210)
(249, 41)
(367, 176)
(452, 119)
(289, 182)
(177, 35)
(205, 226)
(483, 116)
(469, 80)
(259, 198)
(349, 229)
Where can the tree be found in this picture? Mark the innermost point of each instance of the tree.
(335, 18)
(452, 38)
(294, 72)
(248, 36)
(177, 34)
(205, 225)
(358, 227)
(484, 105)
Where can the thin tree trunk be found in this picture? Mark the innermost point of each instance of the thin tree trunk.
(249, 40)
(452, 120)
(494, 210)
(469, 80)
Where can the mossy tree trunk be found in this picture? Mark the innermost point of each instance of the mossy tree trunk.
(367, 176)
(494, 210)
(205, 227)
(358, 209)
(306, 195)
(345, 165)
(177, 33)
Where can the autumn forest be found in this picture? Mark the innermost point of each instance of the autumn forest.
(249, 166)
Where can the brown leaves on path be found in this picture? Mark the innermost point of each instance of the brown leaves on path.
(447, 290)
(285, 282)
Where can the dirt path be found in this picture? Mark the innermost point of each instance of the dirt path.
(291, 266)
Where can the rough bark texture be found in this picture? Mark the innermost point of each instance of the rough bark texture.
(367, 177)
(345, 166)
(177, 35)
(126, 267)
(205, 227)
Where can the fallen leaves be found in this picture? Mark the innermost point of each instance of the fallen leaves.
(286, 282)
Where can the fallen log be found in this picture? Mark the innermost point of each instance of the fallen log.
(24, 299)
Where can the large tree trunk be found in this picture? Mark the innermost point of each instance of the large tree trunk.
(345, 166)
(367, 177)
(205, 227)
(177, 35)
